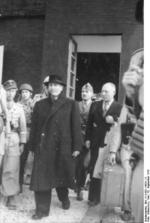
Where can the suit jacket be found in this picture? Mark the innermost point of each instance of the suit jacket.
(55, 134)
(97, 126)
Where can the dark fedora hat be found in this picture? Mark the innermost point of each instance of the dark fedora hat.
(56, 79)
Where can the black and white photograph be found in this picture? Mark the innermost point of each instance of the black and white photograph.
(72, 145)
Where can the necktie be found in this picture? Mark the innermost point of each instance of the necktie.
(105, 108)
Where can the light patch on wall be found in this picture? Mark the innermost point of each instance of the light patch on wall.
(101, 43)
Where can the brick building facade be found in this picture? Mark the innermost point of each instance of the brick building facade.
(21, 33)
(36, 35)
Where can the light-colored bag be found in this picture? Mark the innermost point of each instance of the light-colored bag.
(99, 166)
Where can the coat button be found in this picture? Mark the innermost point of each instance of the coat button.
(43, 134)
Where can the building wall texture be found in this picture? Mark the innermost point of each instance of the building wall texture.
(87, 17)
(22, 38)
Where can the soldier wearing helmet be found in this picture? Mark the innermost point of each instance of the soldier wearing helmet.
(26, 91)
(26, 101)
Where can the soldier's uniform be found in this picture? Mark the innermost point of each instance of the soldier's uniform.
(82, 165)
(28, 109)
(16, 136)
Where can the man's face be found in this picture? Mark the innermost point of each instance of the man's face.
(10, 94)
(55, 89)
(108, 93)
(86, 95)
(25, 94)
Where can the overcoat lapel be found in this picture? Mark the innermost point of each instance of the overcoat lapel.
(110, 108)
(100, 107)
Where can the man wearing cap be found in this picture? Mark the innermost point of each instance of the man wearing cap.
(103, 114)
(81, 168)
(26, 101)
(56, 141)
(15, 141)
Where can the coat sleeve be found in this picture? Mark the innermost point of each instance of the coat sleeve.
(34, 120)
(115, 132)
(76, 128)
(117, 110)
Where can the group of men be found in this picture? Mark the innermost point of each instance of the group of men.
(62, 134)
(16, 120)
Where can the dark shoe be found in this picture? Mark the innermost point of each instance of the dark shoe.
(80, 195)
(11, 203)
(66, 204)
(38, 216)
(12, 207)
(126, 216)
(93, 203)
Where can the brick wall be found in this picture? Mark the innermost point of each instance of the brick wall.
(88, 17)
(22, 7)
(23, 42)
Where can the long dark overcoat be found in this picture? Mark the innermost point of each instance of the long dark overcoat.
(97, 127)
(55, 134)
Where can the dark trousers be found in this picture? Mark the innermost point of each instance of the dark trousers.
(23, 159)
(81, 171)
(94, 190)
(43, 199)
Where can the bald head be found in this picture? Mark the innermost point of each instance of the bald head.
(108, 91)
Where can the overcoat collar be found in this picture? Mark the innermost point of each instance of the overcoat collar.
(56, 105)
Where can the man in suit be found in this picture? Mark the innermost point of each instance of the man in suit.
(103, 114)
(56, 141)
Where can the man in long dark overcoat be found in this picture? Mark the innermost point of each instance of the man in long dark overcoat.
(102, 116)
(56, 141)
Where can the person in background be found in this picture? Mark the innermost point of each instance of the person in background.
(3, 122)
(103, 114)
(133, 82)
(119, 144)
(127, 136)
(81, 169)
(44, 92)
(56, 141)
(26, 101)
(14, 146)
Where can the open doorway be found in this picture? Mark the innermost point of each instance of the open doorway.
(94, 59)
(97, 69)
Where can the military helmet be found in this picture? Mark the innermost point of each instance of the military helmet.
(26, 86)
